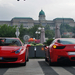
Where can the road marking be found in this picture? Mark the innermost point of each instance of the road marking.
(61, 71)
(32, 68)
(47, 69)
(39, 67)
(70, 69)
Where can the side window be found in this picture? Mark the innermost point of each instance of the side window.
(13, 42)
(17, 42)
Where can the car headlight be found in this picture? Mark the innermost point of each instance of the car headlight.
(18, 50)
(54, 46)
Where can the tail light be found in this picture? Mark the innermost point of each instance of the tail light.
(58, 47)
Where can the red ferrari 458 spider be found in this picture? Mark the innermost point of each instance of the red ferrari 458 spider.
(61, 49)
(12, 50)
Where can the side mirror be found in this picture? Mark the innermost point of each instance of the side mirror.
(28, 45)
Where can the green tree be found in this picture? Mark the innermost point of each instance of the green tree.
(30, 31)
(62, 29)
(7, 31)
(65, 28)
(73, 30)
(23, 31)
(48, 42)
(47, 27)
(33, 30)
(49, 34)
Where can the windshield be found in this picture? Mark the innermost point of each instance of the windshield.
(10, 42)
(67, 41)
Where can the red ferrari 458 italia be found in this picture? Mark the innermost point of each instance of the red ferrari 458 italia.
(61, 49)
(12, 50)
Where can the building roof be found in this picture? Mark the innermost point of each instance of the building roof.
(41, 12)
(22, 18)
(63, 19)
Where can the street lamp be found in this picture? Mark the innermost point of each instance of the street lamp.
(40, 28)
(17, 32)
(37, 32)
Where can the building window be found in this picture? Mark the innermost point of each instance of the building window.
(43, 24)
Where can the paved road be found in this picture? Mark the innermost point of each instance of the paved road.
(37, 67)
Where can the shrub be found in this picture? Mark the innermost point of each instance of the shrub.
(40, 44)
(34, 44)
(48, 42)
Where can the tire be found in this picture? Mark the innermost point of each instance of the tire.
(49, 62)
(46, 59)
(27, 59)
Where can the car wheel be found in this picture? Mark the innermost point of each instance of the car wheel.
(50, 63)
(27, 59)
(46, 59)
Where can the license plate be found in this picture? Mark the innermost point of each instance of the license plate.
(1, 58)
(71, 53)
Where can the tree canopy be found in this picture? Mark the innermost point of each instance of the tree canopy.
(66, 28)
(9, 31)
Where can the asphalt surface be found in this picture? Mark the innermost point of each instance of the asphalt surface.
(38, 67)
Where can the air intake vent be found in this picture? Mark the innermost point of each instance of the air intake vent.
(60, 47)
(72, 58)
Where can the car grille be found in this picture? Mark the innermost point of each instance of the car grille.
(65, 59)
(60, 47)
(8, 59)
(72, 58)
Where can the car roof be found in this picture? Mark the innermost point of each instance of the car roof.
(8, 38)
(63, 38)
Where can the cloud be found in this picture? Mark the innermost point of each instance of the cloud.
(31, 8)
(5, 4)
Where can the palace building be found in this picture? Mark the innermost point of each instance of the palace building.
(28, 22)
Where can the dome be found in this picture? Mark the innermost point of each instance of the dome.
(41, 12)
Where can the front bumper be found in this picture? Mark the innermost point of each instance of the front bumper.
(63, 59)
(14, 58)
(61, 55)
(8, 59)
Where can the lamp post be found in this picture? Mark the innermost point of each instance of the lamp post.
(37, 32)
(17, 32)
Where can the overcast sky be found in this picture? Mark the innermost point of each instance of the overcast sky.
(31, 8)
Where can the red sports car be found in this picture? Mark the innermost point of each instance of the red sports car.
(12, 50)
(60, 49)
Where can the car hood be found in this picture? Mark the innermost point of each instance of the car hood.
(8, 48)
